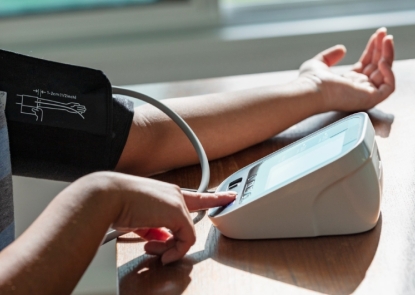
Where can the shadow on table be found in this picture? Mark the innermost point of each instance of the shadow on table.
(331, 265)
(381, 121)
(146, 275)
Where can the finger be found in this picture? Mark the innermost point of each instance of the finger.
(332, 55)
(150, 234)
(159, 247)
(370, 46)
(184, 238)
(198, 201)
(388, 50)
(367, 55)
(388, 85)
(377, 52)
(387, 55)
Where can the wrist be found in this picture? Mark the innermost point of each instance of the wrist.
(100, 190)
(311, 87)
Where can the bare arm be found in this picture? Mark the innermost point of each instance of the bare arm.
(224, 123)
(51, 256)
(228, 122)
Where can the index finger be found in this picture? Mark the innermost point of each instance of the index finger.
(199, 201)
(368, 52)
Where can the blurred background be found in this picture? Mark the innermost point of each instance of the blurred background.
(147, 41)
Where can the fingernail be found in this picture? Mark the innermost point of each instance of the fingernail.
(227, 193)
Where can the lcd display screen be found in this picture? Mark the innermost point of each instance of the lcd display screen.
(304, 161)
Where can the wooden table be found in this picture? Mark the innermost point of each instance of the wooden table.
(381, 261)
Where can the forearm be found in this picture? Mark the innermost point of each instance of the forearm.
(51, 256)
(224, 122)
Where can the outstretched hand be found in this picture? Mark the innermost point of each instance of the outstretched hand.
(370, 81)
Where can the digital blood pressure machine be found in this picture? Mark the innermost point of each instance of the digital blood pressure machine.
(328, 183)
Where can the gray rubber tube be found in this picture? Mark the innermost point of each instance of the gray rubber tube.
(112, 234)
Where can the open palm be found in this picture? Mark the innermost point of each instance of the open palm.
(369, 82)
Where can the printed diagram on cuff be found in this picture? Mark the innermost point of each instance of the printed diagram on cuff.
(35, 106)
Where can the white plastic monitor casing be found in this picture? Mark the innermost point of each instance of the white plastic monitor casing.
(340, 197)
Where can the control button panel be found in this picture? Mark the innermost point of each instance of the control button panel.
(249, 184)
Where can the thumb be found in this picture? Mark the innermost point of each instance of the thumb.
(331, 55)
(198, 201)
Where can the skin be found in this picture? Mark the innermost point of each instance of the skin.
(46, 259)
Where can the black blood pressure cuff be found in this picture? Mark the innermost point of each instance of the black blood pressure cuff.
(63, 121)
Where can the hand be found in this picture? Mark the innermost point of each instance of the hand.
(370, 81)
(76, 108)
(161, 240)
(38, 112)
(149, 205)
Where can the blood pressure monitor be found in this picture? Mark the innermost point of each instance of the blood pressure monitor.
(328, 183)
